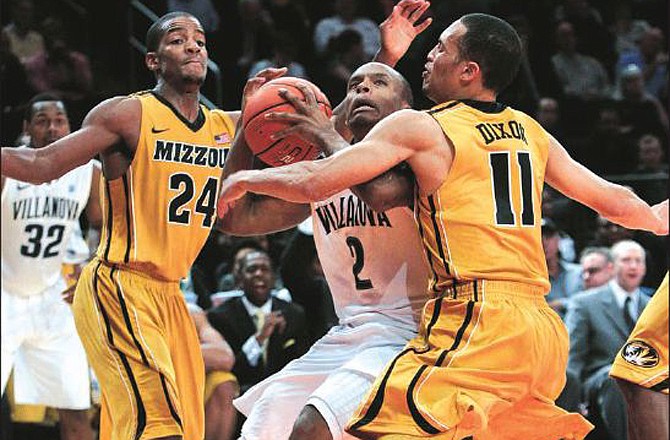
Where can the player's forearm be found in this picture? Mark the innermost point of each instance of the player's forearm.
(628, 210)
(256, 214)
(26, 165)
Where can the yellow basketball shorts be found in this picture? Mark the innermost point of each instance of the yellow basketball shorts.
(643, 360)
(145, 352)
(489, 361)
(215, 378)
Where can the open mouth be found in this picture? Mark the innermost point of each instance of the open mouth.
(362, 105)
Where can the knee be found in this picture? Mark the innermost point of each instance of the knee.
(310, 425)
(224, 393)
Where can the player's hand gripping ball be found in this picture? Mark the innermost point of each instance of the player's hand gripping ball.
(258, 130)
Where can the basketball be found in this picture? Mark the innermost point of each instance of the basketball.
(257, 129)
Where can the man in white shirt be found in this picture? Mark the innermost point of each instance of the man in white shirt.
(599, 322)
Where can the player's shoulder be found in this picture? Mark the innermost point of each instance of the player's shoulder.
(118, 107)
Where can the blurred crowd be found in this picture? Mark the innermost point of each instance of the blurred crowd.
(595, 75)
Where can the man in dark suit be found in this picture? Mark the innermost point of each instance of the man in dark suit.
(599, 321)
(265, 332)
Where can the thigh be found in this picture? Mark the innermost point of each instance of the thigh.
(127, 344)
(52, 369)
(476, 360)
(14, 326)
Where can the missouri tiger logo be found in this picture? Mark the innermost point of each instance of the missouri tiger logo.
(640, 353)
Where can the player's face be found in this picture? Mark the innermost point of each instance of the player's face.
(373, 93)
(257, 278)
(630, 268)
(48, 124)
(181, 54)
(443, 66)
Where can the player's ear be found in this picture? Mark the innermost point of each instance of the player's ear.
(151, 60)
(470, 71)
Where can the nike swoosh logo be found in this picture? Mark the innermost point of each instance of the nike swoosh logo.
(155, 130)
(19, 187)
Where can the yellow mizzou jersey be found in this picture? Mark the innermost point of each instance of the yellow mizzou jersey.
(484, 220)
(157, 216)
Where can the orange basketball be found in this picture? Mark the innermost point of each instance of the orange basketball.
(257, 129)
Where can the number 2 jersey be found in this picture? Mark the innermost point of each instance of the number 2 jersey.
(37, 222)
(373, 262)
(484, 220)
(158, 214)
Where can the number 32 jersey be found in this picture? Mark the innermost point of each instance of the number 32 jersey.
(37, 221)
(157, 216)
(373, 262)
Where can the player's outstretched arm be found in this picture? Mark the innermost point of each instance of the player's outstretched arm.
(385, 146)
(614, 202)
(110, 122)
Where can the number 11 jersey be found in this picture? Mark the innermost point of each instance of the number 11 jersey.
(484, 222)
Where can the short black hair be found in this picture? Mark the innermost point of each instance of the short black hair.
(40, 97)
(494, 45)
(156, 31)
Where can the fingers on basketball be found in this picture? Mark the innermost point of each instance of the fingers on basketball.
(258, 130)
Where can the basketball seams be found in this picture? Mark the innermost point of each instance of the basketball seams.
(258, 130)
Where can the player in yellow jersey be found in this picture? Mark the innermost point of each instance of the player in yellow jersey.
(162, 154)
(491, 355)
(641, 370)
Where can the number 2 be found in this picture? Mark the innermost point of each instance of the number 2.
(502, 192)
(356, 249)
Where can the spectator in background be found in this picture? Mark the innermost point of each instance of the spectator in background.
(609, 148)
(14, 91)
(203, 10)
(649, 55)
(581, 76)
(220, 384)
(60, 69)
(599, 322)
(290, 19)
(284, 54)
(650, 161)
(593, 38)
(565, 277)
(640, 112)
(346, 18)
(522, 93)
(548, 114)
(345, 55)
(24, 40)
(264, 332)
(597, 266)
(626, 29)
(257, 32)
(229, 283)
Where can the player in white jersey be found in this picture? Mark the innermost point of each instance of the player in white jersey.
(372, 260)
(39, 339)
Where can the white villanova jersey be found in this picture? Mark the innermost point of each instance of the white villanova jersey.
(37, 221)
(374, 262)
